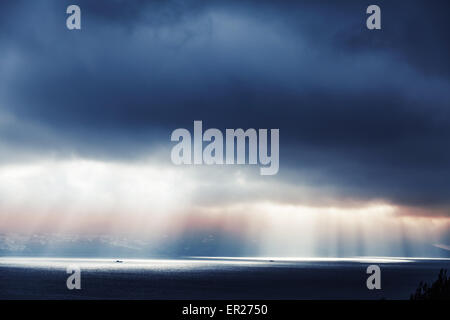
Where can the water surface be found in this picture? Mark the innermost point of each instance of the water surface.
(214, 278)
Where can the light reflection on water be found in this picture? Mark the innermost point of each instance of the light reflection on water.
(128, 264)
(191, 263)
(319, 260)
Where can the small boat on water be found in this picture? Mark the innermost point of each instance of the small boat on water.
(119, 261)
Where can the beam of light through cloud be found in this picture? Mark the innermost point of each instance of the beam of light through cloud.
(151, 201)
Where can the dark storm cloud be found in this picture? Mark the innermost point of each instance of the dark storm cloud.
(364, 111)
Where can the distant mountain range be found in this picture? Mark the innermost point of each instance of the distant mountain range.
(198, 244)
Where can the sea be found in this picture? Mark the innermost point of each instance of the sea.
(215, 278)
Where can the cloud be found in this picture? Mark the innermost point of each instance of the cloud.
(362, 115)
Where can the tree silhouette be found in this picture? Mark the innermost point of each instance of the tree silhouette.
(439, 290)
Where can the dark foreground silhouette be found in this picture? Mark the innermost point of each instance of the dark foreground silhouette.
(439, 290)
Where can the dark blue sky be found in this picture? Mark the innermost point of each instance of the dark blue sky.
(364, 112)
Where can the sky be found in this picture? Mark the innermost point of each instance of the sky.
(86, 117)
